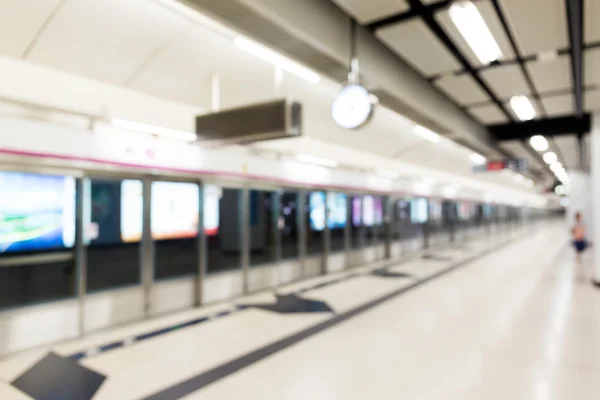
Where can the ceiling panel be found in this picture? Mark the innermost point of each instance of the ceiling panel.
(106, 40)
(558, 105)
(489, 114)
(539, 25)
(592, 29)
(490, 17)
(463, 89)
(569, 149)
(551, 75)
(372, 10)
(506, 81)
(591, 68)
(20, 20)
(414, 42)
(591, 100)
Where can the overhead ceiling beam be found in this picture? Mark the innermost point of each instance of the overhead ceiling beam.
(575, 24)
(412, 13)
(566, 125)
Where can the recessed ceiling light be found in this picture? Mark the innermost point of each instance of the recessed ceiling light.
(472, 27)
(522, 107)
(550, 158)
(539, 143)
(427, 134)
(477, 159)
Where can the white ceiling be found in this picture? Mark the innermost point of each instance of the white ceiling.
(506, 80)
(590, 22)
(591, 68)
(416, 44)
(19, 23)
(107, 40)
(371, 10)
(462, 89)
(489, 114)
(551, 75)
(591, 100)
(569, 149)
(538, 25)
(559, 105)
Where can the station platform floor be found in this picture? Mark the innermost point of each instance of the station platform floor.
(504, 317)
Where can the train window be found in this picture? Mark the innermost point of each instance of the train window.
(174, 221)
(223, 228)
(288, 224)
(315, 205)
(337, 204)
(114, 233)
(37, 235)
(263, 240)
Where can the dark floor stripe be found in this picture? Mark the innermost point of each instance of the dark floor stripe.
(200, 381)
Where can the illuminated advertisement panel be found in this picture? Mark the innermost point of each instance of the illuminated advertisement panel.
(175, 209)
(212, 196)
(368, 211)
(418, 211)
(338, 210)
(316, 205)
(37, 212)
(132, 205)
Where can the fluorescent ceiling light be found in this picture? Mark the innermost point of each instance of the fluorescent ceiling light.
(276, 59)
(519, 178)
(427, 134)
(324, 162)
(477, 159)
(474, 30)
(539, 143)
(522, 107)
(550, 158)
(387, 173)
(153, 130)
(556, 167)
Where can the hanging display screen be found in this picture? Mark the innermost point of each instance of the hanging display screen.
(212, 197)
(338, 210)
(37, 212)
(316, 205)
(418, 211)
(368, 211)
(175, 209)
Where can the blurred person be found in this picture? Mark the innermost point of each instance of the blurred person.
(579, 236)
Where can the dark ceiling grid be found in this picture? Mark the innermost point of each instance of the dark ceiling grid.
(575, 27)
(532, 89)
(426, 14)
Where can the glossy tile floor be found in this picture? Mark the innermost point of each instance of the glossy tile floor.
(520, 322)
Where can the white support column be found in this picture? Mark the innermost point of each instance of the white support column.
(215, 92)
(595, 192)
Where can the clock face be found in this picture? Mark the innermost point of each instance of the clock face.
(352, 108)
